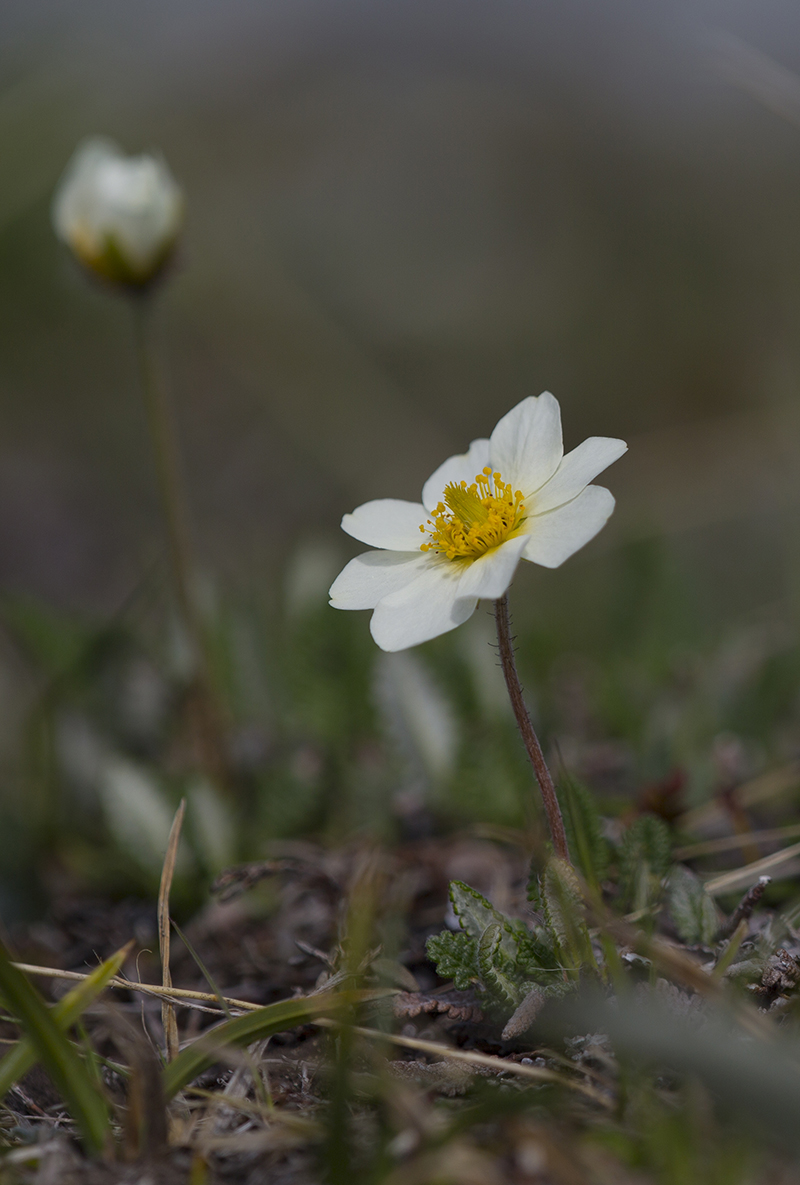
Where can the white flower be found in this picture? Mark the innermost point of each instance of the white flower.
(512, 497)
(120, 215)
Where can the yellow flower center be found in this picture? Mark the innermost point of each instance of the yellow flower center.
(473, 519)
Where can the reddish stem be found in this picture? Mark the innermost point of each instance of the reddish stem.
(529, 737)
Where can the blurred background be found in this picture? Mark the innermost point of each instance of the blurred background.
(403, 218)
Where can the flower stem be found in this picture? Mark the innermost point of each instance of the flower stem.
(529, 737)
(165, 449)
(202, 705)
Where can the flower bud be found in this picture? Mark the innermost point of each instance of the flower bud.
(120, 215)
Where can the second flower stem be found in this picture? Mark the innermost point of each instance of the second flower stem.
(168, 471)
(202, 702)
(527, 731)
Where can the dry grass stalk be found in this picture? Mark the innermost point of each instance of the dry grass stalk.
(484, 1060)
(182, 996)
(728, 843)
(168, 1019)
(748, 874)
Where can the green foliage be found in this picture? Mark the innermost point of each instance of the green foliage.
(587, 844)
(69, 1075)
(22, 1056)
(562, 902)
(693, 911)
(498, 956)
(456, 957)
(645, 855)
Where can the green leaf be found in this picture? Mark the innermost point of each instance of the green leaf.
(496, 972)
(488, 949)
(254, 1026)
(584, 829)
(498, 956)
(537, 956)
(692, 908)
(644, 860)
(563, 911)
(69, 1075)
(455, 956)
(65, 1013)
(476, 914)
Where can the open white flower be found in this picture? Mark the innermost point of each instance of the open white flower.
(512, 497)
(120, 215)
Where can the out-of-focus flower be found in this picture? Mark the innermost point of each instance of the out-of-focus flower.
(120, 215)
(515, 496)
(419, 715)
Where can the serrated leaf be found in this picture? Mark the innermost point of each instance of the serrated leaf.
(537, 956)
(455, 956)
(498, 956)
(496, 972)
(532, 894)
(563, 910)
(692, 908)
(645, 856)
(584, 828)
(476, 914)
(488, 949)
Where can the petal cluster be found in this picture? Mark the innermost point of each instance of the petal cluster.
(417, 593)
(120, 215)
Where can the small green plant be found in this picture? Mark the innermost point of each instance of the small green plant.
(500, 957)
(693, 911)
(584, 826)
(645, 856)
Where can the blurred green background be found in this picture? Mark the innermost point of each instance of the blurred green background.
(402, 218)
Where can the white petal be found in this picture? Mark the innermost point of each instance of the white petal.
(133, 200)
(555, 536)
(388, 522)
(464, 467)
(490, 576)
(373, 575)
(577, 469)
(427, 607)
(526, 446)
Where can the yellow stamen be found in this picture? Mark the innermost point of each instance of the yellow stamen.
(474, 518)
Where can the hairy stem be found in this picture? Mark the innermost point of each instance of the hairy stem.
(529, 737)
(201, 704)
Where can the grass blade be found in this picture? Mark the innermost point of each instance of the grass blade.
(254, 1026)
(69, 1075)
(66, 1012)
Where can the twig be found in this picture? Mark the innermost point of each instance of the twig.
(744, 908)
(168, 1020)
(182, 996)
(499, 1065)
(527, 731)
